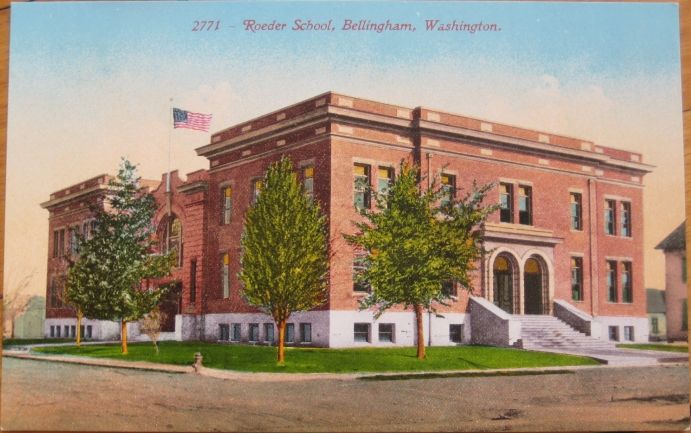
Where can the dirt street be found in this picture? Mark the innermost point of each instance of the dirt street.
(51, 396)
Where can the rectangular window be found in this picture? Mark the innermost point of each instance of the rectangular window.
(655, 325)
(626, 219)
(193, 281)
(236, 332)
(67, 331)
(626, 283)
(628, 333)
(61, 243)
(57, 331)
(386, 333)
(52, 331)
(684, 316)
(254, 332)
(456, 333)
(226, 204)
(361, 186)
(306, 332)
(506, 202)
(683, 268)
(359, 266)
(361, 332)
(73, 331)
(610, 217)
(290, 333)
(257, 186)
(448, 188)
(308, 180)
(612, 289)
(448, 288)
(269, 332)
(89, 329)
(85, 230)
(525, 205)
(225, 275)
(384, 179)
(73, 240)
(223, 332)
(614, 333)
(53, 301)
(81, 331)
(576, 211)
(577, 278)
(56, 243)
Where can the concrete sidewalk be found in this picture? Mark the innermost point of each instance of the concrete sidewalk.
(631, 361)
(627, 357)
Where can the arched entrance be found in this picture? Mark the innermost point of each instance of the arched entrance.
(503, 271)
(532, 286)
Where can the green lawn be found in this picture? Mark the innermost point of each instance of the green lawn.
(20, 341)
(661, 347)
(316, 360)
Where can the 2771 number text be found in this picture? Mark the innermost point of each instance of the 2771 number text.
(206, 25)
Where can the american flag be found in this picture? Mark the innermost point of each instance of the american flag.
(189, 120)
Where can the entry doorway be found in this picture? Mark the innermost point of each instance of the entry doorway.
(503, 271)
(533, 287)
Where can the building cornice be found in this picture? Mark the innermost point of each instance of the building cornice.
(73, 196)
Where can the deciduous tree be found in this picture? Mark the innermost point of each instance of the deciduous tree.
(284, 250)
(415, 241)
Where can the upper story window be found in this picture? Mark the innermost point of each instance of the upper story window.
(86, 233)
(73, 240)
(612, 290)
(58, 243)
(308, 180)
(610, 217)
(257, 186)
(448, 287)
(577, 278)
(525, 205)
(384, 179)
(359, 266)
(626, 219)
(448, 187)
(171, 241)
(626, 283)
(506, 202)
(683, 268)
(225, 274)
(193, 281)
(361, 186)
(226, 204)
(576, 211)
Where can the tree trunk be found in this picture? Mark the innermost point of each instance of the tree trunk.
(420, 332)
(12, 329)
(123, 336)
(79, 328)
(281, 342)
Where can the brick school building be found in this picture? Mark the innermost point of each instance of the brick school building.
(564, 251)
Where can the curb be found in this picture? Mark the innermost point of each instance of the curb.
(101, 362)
(293, 377)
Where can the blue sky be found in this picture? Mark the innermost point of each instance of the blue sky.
(90, 82)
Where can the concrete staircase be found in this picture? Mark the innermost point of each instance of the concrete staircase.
(543, 332)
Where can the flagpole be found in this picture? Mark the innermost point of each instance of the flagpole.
(170, 140)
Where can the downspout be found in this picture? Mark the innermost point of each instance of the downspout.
(592, 245)
(429, 185)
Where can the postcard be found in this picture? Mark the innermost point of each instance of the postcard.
(345, 216)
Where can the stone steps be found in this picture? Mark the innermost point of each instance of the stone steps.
(548, 332)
